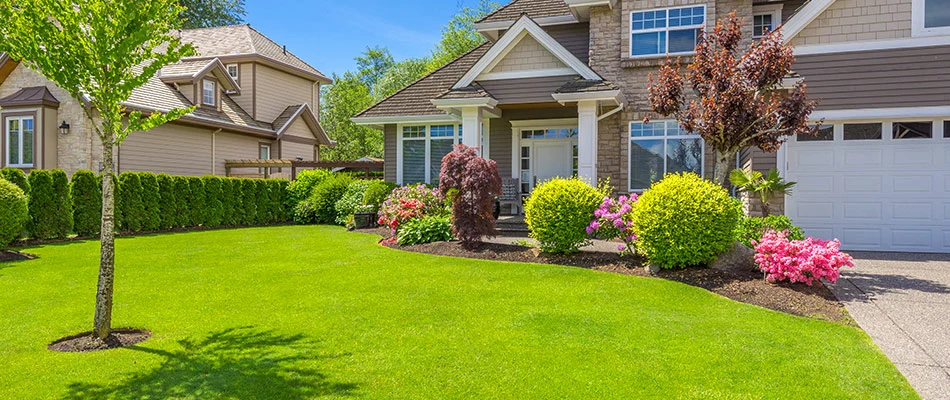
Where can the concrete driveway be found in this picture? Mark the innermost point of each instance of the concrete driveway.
(903, 302)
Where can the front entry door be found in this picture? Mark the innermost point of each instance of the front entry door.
(552, 159)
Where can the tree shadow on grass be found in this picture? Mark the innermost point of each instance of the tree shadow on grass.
(236, 363)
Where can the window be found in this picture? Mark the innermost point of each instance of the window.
(563, 133)
(265, 153)
(825, 133)
(666, 31)
(525, 169)
(659, 148)
(765, 19)
(912, 130)
(946, 129)
(20, 141)
(423, 147)
(930, 17)
(207, 92)
(862, 131)
(233, 71)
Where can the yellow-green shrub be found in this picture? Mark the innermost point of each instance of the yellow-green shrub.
(684, 220)
(13, 211)
(558, 212)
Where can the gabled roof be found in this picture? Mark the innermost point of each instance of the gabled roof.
(803, 17)
(533, 8)
(242, 40)
(301, 112)
(31, 96)
(191, 71)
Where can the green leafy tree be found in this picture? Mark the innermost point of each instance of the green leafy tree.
(766, 187)
(399, 76)
(347, 96)
(99, 51)
(459, 35)
(373, 63)
(211, 13)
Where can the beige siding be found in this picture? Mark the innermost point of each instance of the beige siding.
(528, 55)
(389, 150)
(188, 90)
(246, 82)
(858, 20)
(291, 150)
(173, 149)
(50, 137)
(525, 90)
(229, 146)
(299, 129)
(277, 90)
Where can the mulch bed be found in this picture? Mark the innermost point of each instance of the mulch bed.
(739, 283)
(10, 256)
(86, 342)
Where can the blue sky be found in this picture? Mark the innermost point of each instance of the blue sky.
(328, 34)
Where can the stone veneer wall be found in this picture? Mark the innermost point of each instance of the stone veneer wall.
(81, 148)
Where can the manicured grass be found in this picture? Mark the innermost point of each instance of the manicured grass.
(300, 312)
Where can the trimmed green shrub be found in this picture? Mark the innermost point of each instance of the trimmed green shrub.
(248, 202)
(51, 213)
(351, 200)
(262, 196)
(237, 201)
(377, 193)
(427, 229)
(150, 202)
(183, 195)
(558, 212)
(168, 193)
(302, 186)
(129, 209)
(85, 190)
(752, 228)
(196, 201)
(13, 211)
(214, 201)
(278, 189)
(320, 207)
(17, 177)
(683, 221)
(227, 202)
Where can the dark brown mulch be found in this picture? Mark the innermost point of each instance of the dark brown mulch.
(86, 342)
(740, 284)
(10, 256)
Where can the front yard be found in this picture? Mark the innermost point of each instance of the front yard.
(307, 311)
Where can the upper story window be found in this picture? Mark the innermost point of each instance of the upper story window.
(765, 19)
(930, 17)
(233, 71)
(207, 92)
(666, 31)
(19, 142)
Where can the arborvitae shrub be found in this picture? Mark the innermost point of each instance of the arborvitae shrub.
(130, 211)
(227, 201)
(17, 177)
(213, 213)
(275, 201)
(196, 203)
(183, 210)
(13, 212)
(168, 204)
(237, 200)
(51, 214)
(85, 190)
(150, 202)
(249, 201)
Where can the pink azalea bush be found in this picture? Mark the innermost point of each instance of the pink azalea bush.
(802, 261)
(612, 220)
(409, 202)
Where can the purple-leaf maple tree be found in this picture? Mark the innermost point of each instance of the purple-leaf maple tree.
(472, 183)
(737, 99)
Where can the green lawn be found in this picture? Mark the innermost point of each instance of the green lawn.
(309, 311)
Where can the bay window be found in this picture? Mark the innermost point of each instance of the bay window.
(666, 31)
(661, 147)
(421, 149)
(19, 142)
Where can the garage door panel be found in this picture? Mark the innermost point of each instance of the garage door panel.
(863, 157)
(913, 184)
(912, 212)
(863, 184)
(920, 157)
(864, 237)
(820, 210)
(912, 239)
(816, 184)
(815, 158)
(871, 212)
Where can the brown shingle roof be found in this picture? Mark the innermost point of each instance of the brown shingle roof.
(534, 8)
(31, 96)
(184, 68)
(578, 85)
(475, 91)
(242, 39)
(415, 99)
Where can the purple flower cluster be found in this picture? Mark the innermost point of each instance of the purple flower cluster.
(612, 221)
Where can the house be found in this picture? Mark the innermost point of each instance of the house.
(255, 100)
(560, 88)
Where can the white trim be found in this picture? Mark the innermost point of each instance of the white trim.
(404, 119)
(427, 138)
(917, 28)
(544, 123)
(237, 67)
(775, 10)
(803, 18)
(604, 95)
(664, 138)
(6, 134)
(469, 102)
(581, 8)
(882, 113)
(666, 29)
(534, 73)
(214, 92)
(543, 21)
(873, 45)
(511, 38)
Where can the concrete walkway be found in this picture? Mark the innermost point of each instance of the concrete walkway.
(903, 302)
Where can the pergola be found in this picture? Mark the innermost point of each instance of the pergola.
(294, 165)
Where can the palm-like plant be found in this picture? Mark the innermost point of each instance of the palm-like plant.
(766, 187)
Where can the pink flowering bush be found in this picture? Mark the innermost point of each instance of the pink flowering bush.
(409, 202)
(802, 261)
(612, 220)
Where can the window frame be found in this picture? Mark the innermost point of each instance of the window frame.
(6, 141)
(237, 71)
(214, 93)
(427, 137)
(666, 137)
(666, 29)
(775, 10)
(918, 19)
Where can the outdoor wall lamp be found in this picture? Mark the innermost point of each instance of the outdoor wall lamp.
(64, 128)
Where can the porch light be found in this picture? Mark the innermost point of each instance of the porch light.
(64, 128)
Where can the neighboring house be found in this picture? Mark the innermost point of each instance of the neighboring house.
(561, 89)
(255, 100)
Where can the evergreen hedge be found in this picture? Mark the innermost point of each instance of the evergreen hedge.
(183, 195)
(129, 208)
(150, 201)
(51, 214)
(17, 177)
(214, 201)
(13, 212)
(168, 204)
(85, 190)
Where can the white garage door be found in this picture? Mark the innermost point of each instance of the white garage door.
(876, 186)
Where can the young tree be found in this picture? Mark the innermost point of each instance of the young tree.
(459, 35)
(372, 64)
(340, 102)
(99, 51)
(472, 183)
(211, 13)
(766, 187)
(738, 101)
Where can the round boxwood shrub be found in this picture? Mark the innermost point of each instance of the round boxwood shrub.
(17, 177)
(85, 190)
(683, 221)
(558, 212)
(13, 212)
(320, 207)
(377, 193)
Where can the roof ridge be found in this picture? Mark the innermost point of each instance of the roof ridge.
(216, 27)
(421, 78)
(286, 52)
(496, 11)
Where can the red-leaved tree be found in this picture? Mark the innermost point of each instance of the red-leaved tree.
(473, 183)
(737, 100)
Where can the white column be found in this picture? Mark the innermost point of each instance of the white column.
(587, 141)
(471, 127)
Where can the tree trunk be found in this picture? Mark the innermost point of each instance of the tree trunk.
(103, 320)
(766, 209)
(725, 162)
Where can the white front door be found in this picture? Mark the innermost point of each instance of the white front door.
(552, 159)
